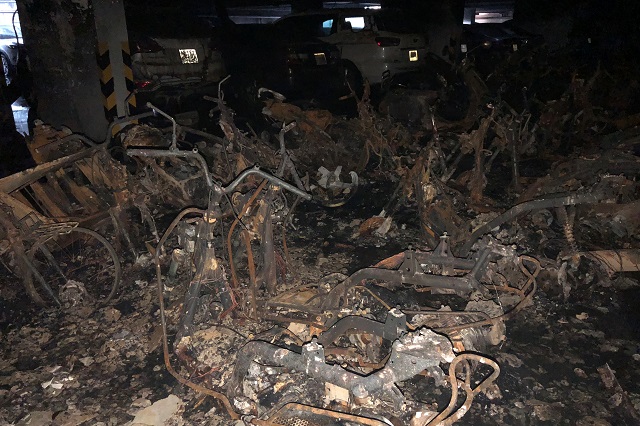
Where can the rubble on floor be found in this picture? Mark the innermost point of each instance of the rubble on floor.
(482, 271)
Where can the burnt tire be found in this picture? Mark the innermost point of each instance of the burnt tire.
(8, 69)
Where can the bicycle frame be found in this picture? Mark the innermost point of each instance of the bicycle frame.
(209, 268)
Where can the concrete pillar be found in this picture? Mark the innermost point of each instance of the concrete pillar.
(114, 57)
(62, 41)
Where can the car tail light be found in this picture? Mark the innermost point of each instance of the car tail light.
(387, 41)
(143, 84)
(146, 45)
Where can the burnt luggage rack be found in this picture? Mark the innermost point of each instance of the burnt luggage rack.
(43, 214)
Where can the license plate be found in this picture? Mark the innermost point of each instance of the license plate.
(413, 56)
(188, 56)
(321, 58)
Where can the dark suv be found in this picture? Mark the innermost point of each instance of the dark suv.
(263, 55)
(488, 44)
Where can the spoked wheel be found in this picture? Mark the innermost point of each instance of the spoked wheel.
(75, 267)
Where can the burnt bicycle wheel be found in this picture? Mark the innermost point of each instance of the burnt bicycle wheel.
(76, 267)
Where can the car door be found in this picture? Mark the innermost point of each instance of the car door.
(354, 35)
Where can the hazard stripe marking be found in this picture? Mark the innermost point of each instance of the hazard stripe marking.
(107, 86)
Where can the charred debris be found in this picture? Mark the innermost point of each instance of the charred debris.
(494, 188)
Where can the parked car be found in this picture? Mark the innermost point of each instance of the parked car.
(173, 63)
(10, 50)
(159, 62)
(374, 44)
(488, 44)
(298, 67)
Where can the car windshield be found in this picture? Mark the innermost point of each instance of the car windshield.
(7, 32)
(358, 23)
(496, 32)
(304, 27)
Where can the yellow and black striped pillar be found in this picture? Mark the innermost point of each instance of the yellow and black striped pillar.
(107, 84)
(128, 76)
(114, 59)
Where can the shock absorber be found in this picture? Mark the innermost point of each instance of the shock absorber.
(567, 224)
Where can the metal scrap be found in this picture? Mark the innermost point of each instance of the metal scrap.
(615, 261)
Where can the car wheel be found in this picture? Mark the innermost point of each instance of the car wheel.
(353, 78)
(7, 69)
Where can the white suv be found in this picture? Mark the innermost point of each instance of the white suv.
(372, 43)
